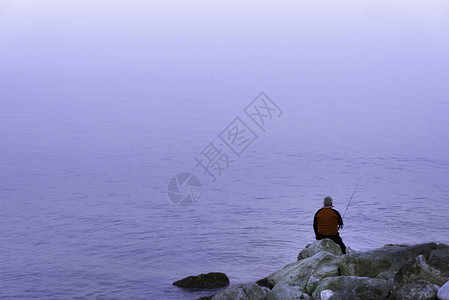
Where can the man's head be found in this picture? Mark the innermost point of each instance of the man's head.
(327, 201)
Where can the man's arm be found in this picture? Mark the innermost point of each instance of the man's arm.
(315, 224)
(340, 220)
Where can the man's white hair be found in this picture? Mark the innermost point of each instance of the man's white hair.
(327, 201)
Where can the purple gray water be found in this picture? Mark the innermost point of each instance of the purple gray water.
(103, 103)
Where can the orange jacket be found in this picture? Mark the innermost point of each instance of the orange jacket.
(326, 221)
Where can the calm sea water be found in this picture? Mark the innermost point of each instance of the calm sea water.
(96, 118)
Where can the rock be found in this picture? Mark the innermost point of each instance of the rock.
(372, 263)
(349, 250)
(443, 292)
(442, 247)
(418, 269)
(265, 290)
(245, 291)
(207, 281)
(283, 291)
(440, 257)
(421, 289)
(326, 294)
(312, 283)
(389, 274)
(321, 265)
(264, 282)
(361, 287)
(360, 295)
(327, 245)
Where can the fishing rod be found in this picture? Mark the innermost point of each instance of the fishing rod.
(347, 206)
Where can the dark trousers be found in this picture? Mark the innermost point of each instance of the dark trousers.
(336, 238)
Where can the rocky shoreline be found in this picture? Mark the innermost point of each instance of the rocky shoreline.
(323, 272)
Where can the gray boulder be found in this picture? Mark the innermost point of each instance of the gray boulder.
(440, 257)
(321, 265)
(326, 294)
(209, 281)
(418, 269)
(389, 257)
(443, 292)
(360, 295)
(327, 245)
(313, 282)
(353, 287)
(387, 275)
(419, 290)
(246, 291)
(283, 291)
(264, 283)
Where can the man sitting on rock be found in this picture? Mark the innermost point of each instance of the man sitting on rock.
(326, 223)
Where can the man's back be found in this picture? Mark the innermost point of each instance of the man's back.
(327, 220)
